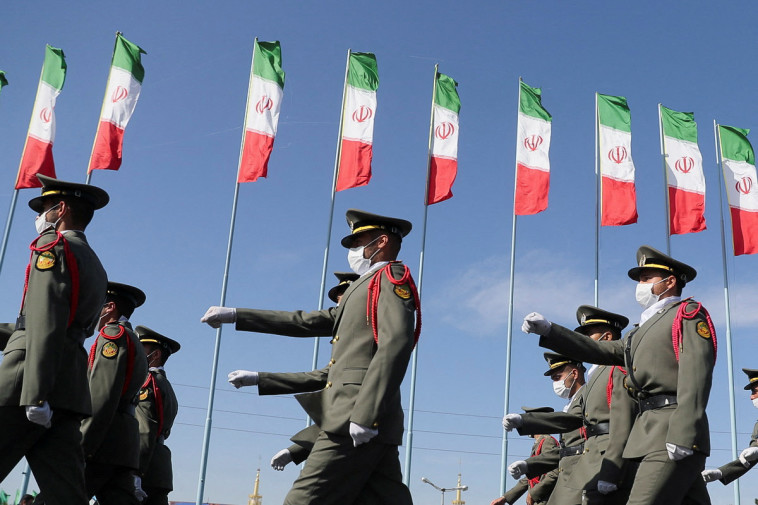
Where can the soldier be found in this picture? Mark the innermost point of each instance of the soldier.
(669, 359)
(600, 467)
(117, 369)
(748, 457)
(561, 370)
(359, 405)
(44, 368)
(156, 412)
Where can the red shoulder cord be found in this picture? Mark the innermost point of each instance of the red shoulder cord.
(129, 354)
(150, 381)
(372, 303)
(676, 329)
(609, 386)
(534, 480)
(73, 268)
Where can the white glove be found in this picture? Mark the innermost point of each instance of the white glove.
(361, 434)
(711, 475)
(677, 452)
(517, 469)
(239, 378)
(216, 316)
(536, 323)
(40, 415)
(138, 491)
(605, 487)
(511, 421)
(281, 459)
(748, 455)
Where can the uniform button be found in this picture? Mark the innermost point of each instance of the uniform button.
(329, 384)
(634, 369)
(336, 338)
(331, 362)
(375, 425)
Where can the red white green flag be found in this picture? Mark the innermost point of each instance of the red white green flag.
(264, 101)
(684, 172)
(738, 162)
(618, 196)
(444, 142)
(37, 157)
(358, 112)
(121, 94)
(532, 152)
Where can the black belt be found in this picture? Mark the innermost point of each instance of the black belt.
(656, 402)
(73, 332)
(594, 430)
(572, 451)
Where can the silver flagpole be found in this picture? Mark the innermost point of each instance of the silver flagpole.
(665, 183)
(504, 455)
(729, 360)
(317, 340)
(412, 401)
(598, 196)
(8, 224)
(224, 283)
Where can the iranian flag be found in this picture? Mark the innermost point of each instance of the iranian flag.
(443, 165)
(618, 197)
(264, 100)
(358, 111)
(684, 171)
(532, 152)
(37, 157)
(738, 162)
(121, 95)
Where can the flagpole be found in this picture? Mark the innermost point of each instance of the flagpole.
(729, 360)
(665, 183)
(317, 340)
(597, 202)
(224, 283)
(7, 231)
(509, 337)
(419, 285)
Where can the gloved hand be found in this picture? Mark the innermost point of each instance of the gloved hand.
(138, 491)
(361, 434)
(40, 414)
(536, 323)
(239, 378)
(511, 421)
(517, 469)
(605, 487)
(748, 456)
(281, 459)
(711, 475)
(216, 316)
(677, 452)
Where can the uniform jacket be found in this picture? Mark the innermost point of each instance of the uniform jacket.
(155, 457)
(303, 443)
(364, 377)
(46, 361)
(653, 363)
(117, 372)
(735, 469)
(540, 492)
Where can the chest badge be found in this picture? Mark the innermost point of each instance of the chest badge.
(703, 330)
(110, 350)
(403, 291)
(45, 261)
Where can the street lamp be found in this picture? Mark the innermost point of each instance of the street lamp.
(443, 490)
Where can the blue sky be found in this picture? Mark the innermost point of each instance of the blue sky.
(167, 225)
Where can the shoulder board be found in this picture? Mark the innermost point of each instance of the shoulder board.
(112, 331)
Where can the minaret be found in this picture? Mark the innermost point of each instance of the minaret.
(255, 498)
(458, 500)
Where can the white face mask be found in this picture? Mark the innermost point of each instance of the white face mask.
(559, 388)
(755, 402)
(644, 294)
(357, 262)
(41, 223)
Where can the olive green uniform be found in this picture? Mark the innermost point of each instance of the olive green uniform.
(362, 385)
(156, 412)
(44, 360)
(110, 438)
(673, 395)
(540, 491)
(734, 470)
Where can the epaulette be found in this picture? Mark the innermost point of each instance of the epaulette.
(113, 331)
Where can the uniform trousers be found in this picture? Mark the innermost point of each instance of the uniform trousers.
(661, 481)
(336, 473)
(54, 454)
(110, 484)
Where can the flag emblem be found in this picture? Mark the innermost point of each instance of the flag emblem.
(46, 115)
(533, 142)
(444, 130)
(264, 104)
(362, 114)
(618, 154)
(744, 185)
(684, 164)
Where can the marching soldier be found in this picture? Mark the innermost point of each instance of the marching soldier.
(374, 331)
(669, 359)
(156, 411)
(117, 369)
(44, 368)
(564, 460)
(748, 457)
